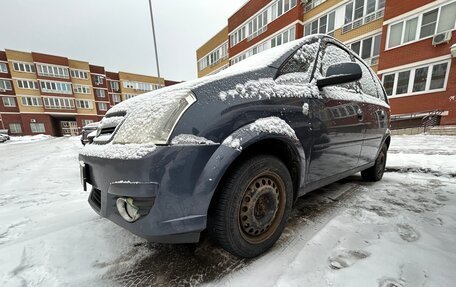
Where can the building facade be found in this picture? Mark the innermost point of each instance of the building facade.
(47, 94)
(364, 26)
(417, 70)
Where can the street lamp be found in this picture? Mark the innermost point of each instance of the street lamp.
(155, 40)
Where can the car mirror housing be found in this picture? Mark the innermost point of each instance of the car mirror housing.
(340, 73)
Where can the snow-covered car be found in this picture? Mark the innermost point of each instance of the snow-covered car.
(89, 132)
(230, 153)
(4, 137)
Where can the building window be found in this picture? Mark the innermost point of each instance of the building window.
(98, 79)
(52, 71)
(86, 122)
(15, 128)
(84, 104)
(3, 68)
(259, 23)
(429, 78)
(55, 87)
(129, 96)
(360, 12)
(37, 127)
(422, 26)
(368, 49)
(58, 103)
(9, 102)
(5, 86)
(81, 89)
(80, 74)
(283, 38)
(114, 85)
(31, 101)
(27, 84)
(141, 86)
(116, 98)
(103, 106)
(323, 25)
(23, 67)
(214, 57)
(100, 93)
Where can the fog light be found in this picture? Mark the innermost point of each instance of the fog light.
(127, 209)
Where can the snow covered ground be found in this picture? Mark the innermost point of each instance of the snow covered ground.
(398, 232)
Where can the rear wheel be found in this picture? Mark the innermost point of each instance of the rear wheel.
(376, 172)
(252, 207)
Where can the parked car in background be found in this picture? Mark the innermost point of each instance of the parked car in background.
(89, 132)
(230, 153)
(4, 136)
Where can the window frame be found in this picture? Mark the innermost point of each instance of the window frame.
(9, 102)
(361, 46)
(15, 130)
(418, 29)
(33, 128)
(5, 69)
(411, 82)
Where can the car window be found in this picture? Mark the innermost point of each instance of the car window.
(298, 68)
(334, 55)
(367, 82)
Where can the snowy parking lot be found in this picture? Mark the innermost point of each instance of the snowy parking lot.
(397, 232)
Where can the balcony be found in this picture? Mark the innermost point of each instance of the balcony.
(312, 4)
(256, 33)
(363, 21)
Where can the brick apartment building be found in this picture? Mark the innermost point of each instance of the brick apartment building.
(364, 26)
(55, 95)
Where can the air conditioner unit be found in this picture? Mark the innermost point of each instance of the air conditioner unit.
(441, 38)
(32, 120)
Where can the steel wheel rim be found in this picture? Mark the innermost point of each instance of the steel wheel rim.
(262, 207)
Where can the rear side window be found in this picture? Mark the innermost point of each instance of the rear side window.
(367, 82)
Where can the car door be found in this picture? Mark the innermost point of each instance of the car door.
(376, 114)
(337, 128)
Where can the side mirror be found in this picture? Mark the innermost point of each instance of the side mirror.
(341, 73)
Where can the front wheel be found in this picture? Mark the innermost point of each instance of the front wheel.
(375, 173)
(252, 206)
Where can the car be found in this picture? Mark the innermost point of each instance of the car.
(230, 153)
(89, 132)
(4, 137)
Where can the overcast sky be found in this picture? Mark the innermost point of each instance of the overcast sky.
(116, 34)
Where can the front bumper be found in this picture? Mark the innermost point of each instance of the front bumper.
(165, 181)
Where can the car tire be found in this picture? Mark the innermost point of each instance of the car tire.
(252, 206)
(375, 173)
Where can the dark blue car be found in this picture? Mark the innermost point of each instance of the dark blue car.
(230, 153)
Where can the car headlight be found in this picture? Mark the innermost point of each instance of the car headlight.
(151, 118)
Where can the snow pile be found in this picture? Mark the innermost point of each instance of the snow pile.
(27, 139)
(273, 125)
(187, 139)
(118, 151)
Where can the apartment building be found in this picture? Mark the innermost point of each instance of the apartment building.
(48, 94)
(365, 26)
(213, 55)
(417, 66)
